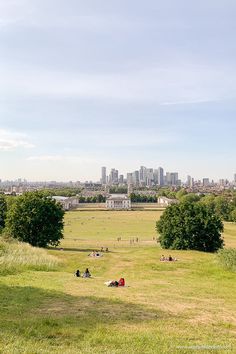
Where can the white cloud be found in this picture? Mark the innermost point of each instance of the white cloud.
(12, 141)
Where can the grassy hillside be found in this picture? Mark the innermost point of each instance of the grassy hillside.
(176, 307)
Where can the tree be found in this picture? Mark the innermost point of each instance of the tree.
(209, 200)
(3, 211)
(36, 219)
(181, 193)
(190, 226)
(190, 197)
(233, 215)
(223, 207)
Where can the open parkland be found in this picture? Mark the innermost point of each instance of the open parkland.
(186, 306)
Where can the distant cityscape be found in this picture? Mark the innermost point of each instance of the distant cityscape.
(150, 177)
(142, 178)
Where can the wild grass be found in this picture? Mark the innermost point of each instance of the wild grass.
(16, 257)
(227, 258)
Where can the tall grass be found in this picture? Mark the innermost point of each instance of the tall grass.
(227, 258)
(16, 257)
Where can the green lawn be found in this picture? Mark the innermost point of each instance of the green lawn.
(186, 306)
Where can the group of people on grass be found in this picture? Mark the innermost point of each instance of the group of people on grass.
(86, 273)
(167, 259)
(115, 283)
(112, 283)
(97, 253)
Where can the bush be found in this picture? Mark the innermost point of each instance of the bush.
(227, 258)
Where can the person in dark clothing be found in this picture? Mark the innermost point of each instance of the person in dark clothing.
(77, 273)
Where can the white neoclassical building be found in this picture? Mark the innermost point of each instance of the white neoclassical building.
(118, 202)
(67, 202)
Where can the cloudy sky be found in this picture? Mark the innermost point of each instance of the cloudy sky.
(85, 84)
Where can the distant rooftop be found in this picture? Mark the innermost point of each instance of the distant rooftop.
(117, 196)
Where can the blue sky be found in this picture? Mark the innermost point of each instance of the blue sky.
(85, 84)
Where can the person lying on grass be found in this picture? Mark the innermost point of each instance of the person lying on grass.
(95, 254)
(115, 283)
(167, 259)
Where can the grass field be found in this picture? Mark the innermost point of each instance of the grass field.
(181, 307)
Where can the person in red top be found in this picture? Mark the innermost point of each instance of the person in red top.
(121, 282)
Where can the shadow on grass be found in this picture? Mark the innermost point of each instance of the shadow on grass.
(32, 312)
(72, 249)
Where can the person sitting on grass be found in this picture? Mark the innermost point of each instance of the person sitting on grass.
(86, 274)
(121, 282)
(77, 273)
(162, 259)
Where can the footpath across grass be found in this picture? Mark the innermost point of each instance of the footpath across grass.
(186, 306)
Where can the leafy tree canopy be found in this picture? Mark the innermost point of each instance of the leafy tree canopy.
(181, 193)
(3, 211)
(36, 219)
(190, 226)
(190, 197)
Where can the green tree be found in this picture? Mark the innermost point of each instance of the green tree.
(190, 197)
(223, 207)
(209, 200)
(3, 211)
(36, 219)
(181, 193)
(190, 226)
(233, 215)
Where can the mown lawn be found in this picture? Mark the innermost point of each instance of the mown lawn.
(180, 307)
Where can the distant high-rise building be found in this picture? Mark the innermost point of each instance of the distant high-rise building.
(135, 178)
(172, 178)
(205, 182)
(167, 178)
(150, 177)
(143, 175)
(160, 176)
(121, 179)
(155, 176)
(104, 175)
(235, 178)
(113, 177)
(129, 178)
(189, 181)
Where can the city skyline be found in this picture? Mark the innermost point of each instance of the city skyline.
(86, 84)
(113, 176)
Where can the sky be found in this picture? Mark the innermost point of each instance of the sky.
(85, 84)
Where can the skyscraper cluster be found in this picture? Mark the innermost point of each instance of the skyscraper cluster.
(142, 177)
